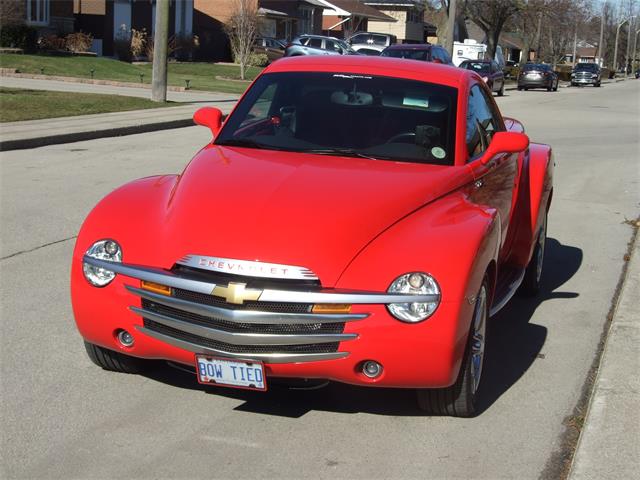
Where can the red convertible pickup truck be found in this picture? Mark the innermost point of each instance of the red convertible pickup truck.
(354, 220)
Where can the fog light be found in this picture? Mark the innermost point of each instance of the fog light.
(371, 369)
(125, 338)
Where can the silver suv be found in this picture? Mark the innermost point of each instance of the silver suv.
(318, 45)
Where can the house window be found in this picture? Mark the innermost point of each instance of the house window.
(38, 12)
(306, 21)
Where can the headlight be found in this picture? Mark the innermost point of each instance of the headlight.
(573, 75)
(416, 283)
(102, 250)
(593, 75)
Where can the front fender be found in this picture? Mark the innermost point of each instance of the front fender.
(455, 241)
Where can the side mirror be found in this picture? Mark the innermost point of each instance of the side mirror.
(505, 142)
(209, 117)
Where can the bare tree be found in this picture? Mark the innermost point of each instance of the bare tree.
(242, 28)
(437, 12)
(491, 16)
(562, 19)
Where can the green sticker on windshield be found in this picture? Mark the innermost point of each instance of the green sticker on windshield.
(438, 152)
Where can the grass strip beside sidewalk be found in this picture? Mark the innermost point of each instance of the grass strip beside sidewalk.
(18, 104)
(201, 76)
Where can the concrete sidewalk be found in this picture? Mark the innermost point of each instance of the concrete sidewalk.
(609, 445)
(37, 133)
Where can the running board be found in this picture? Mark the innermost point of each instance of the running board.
(506, 287)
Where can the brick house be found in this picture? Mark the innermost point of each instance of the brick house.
(409, 26)
(342, 18)
(47, 16)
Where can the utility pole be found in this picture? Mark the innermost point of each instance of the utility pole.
(626, 58)
(451, 27)
(615, 50)
(160, 48)
(600, 57)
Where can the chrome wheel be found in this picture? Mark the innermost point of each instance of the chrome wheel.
(478, 335)
(542, 237)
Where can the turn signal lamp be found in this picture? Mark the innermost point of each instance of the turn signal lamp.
(331, 308)
(156, 288)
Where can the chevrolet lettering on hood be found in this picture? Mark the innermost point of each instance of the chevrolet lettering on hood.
(365, 218)
(247, 268)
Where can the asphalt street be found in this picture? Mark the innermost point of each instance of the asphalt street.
(63, 417)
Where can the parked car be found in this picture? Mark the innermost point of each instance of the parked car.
(537, 75)
(420, 51)
(371, 39)
(510, 69)
(352, 220)
(490, 73)
(272, 48)
(586, 74)
(318, 45)
(371, 50)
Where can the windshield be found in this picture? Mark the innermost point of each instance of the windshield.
(534, 66)
(410, 53)
(590, 67)
(346, 114)
(479, 67)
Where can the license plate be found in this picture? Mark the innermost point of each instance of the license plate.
(230, 373)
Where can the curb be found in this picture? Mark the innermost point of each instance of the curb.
(10, 72)
(35, 142)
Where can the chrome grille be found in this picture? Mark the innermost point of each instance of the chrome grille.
(273, 332)
(228, 326)
(241, 349)
(262, 306)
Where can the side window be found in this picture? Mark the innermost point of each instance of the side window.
(260, 110)
(331, 45)
(304, 41)
(482, 122)
(315, 42)
(360, 38)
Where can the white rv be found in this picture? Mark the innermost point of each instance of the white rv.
(469, 50)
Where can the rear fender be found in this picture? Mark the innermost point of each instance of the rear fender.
(455, 241)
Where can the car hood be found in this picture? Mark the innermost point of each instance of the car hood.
(314, 211)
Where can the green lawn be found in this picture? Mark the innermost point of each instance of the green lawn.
(202, 75)
(19, 104)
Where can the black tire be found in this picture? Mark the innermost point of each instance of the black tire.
(597, 84)
(519, 89)
(533, 274)
(555, 89)
(501, 91)
(460, 399)
(114, 361)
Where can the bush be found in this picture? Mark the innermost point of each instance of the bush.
(19, 36)
(78, 42)
(51, 42)
(258, 59)
(138, 42)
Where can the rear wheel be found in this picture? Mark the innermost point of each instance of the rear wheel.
(533, 274)
(114, 361)
(460, 399)
(501, 91)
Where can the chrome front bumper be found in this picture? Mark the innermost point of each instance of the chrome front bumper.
(255, 332)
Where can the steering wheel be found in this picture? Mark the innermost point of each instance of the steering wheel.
(403, 137)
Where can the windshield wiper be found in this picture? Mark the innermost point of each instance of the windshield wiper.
(347, 152)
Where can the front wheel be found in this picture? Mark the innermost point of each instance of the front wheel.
(114, 361)
(460, 399)
(501, 91)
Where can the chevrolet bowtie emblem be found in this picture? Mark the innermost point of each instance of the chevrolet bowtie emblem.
(236, 293)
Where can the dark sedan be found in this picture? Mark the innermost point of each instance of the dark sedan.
(425, 52)
(537, 75)
(489, 71)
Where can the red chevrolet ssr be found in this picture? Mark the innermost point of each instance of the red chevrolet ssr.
(353, 219)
